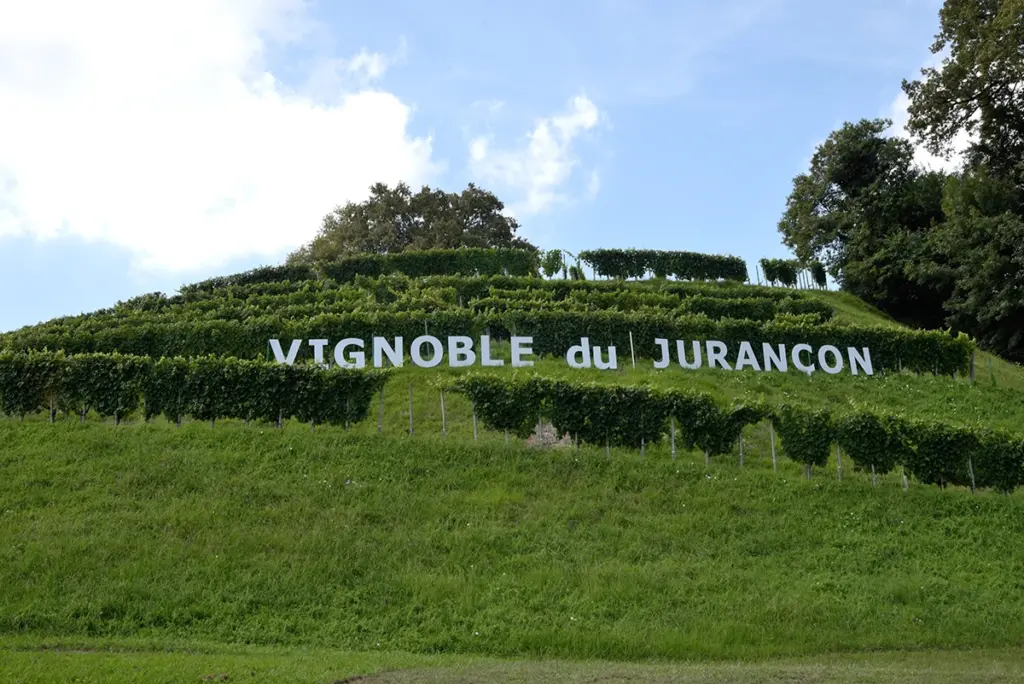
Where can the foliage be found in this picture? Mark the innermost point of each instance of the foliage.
(263, 274)
(205, 388)
(998, 460)
(818, 274)
(782, 271)
(417, 263)
(983, 240)
(721, 428)
(395, 219)
(976, 90)
(806, 434)
(941, 453)
(504, 404)
(554, 332)
(636, 263)
(628, 416)
(866, 212)
(865, 437)
(552, 263)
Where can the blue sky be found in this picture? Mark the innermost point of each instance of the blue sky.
(145, 148)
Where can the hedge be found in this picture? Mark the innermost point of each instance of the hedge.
(786, 271)
(307, 298)
(554, 332)
(464, 261)
(782, 271)
(263, 274)
(209, 388)
(629, 416)
(637, 263)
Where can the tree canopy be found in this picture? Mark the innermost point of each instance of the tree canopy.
(931, 248)
(396, 219)
(861, 209)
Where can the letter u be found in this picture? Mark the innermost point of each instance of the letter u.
(681, 354)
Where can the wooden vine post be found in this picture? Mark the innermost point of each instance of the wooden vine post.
(444, 418)
(673, 436)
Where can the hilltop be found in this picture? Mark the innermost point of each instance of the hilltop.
(413, 510)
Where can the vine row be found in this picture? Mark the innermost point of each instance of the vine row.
(209, 388)
(635, 416)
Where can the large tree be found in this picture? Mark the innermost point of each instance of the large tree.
(979, 87)
(982, 241)
(396, 219)
(865, 211)
(979, 90)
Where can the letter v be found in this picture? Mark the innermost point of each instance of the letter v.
(293, 351)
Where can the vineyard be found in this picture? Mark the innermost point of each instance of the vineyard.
(177, 481)
(203, 354)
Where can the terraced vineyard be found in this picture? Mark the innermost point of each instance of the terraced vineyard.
(420, 508)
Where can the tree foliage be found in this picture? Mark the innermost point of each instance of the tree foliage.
(637, 263)
(929, 248)
(397, 219)
(866, 213)
(976, 91)
(207, 388)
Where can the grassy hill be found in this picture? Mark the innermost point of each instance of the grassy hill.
(448, 546)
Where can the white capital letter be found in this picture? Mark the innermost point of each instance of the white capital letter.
(863, 360)
(460, 351)
(394, 354)
(837, 356)
(358, 358)
(716, 354)
(772, 358)
(663, 363)
(318, 351)
(519, 349)
(293, 351)
(416, 350)
(797, 350)
(681, 354)
(485, 353)
(746, 357)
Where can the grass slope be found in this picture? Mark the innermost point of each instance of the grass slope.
(367, 543)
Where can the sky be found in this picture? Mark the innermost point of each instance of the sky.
(148, 145)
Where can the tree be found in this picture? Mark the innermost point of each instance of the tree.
(866, 212)
(983, 240)
(396, 219)
(979, 88)
(552, 263)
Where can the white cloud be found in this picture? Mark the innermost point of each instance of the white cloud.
(899, 114)
(156, 127)
(542, 164)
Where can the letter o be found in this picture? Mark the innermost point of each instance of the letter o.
(836, 355)
(417, 357)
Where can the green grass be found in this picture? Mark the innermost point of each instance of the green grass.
(97, 661)
(945, 399)
(151, 553)
(431, 545)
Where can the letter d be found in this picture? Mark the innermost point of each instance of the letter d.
(580, 351)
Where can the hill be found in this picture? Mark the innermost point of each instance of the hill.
(406, 520)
